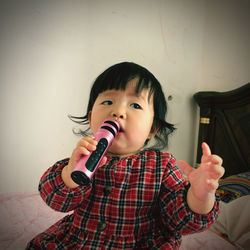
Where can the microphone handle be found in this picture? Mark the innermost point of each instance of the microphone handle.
(87, 165)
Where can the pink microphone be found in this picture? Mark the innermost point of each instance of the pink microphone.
(87, 165)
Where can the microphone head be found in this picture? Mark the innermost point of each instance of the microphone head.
(112, 126)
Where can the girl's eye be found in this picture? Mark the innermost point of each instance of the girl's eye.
(135, 106)
(107, 102)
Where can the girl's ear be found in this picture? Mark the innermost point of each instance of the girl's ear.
(153, 131)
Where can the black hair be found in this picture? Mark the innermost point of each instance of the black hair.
(117, 77)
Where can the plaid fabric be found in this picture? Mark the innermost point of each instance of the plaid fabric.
(138, 202)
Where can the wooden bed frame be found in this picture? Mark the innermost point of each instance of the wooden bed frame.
(225, 126)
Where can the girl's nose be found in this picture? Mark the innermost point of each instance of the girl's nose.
(121, 115)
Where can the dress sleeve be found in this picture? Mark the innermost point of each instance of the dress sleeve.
(176, 216)
(56, 194)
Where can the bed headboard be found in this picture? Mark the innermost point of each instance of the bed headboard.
(225, 126)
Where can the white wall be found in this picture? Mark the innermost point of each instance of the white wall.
(51, 52)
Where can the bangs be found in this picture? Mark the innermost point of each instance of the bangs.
(118, 77)
(121, 84)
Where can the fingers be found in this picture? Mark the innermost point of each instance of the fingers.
(215, 160)
(212, 184)
(103, 161)
(83, 147)
(205, 149)
(207, 157)
(186, 168)
(88, 141)
(216, 172)
(213, 167)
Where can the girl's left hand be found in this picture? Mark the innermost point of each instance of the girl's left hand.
(205, 179)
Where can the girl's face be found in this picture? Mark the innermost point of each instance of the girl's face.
(133, 111)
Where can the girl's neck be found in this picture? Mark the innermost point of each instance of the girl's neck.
(121, 155)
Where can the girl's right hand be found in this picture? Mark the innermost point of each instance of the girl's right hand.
(84, 147)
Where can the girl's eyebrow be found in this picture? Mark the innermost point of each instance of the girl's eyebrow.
(113, 93)
(108, 93)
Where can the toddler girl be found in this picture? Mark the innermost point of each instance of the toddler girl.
(138, 198)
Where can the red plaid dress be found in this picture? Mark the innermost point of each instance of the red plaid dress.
(138, 202)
